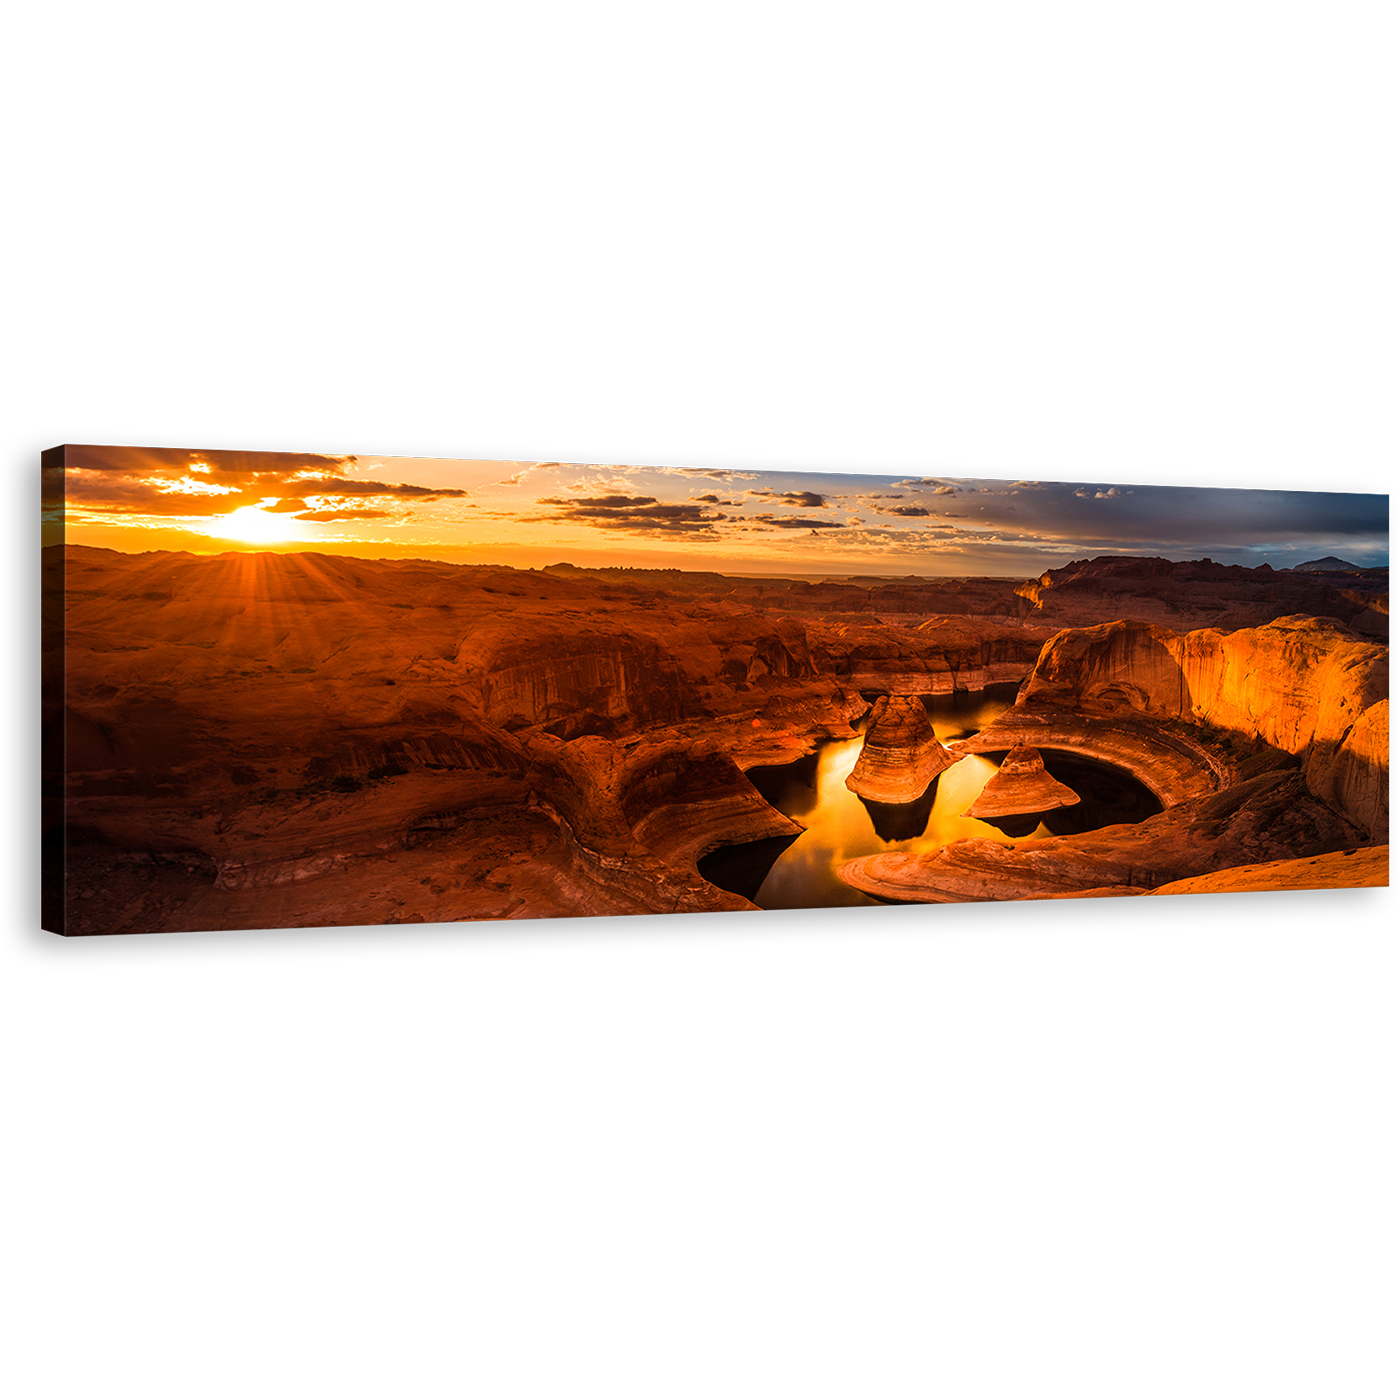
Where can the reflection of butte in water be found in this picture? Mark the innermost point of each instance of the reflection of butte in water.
(900, 821)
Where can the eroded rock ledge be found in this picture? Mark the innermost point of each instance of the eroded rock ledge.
(1271, 817)
(1264, 744)
(261, 740)
(1304, 686)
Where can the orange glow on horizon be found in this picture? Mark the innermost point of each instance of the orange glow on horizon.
(253, 525)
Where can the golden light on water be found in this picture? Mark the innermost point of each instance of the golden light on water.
(840, 826)
(835, 764)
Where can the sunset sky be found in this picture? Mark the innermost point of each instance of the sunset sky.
(529, 514)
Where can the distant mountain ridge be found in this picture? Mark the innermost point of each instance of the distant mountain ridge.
(1330, 565)
(1182, 595)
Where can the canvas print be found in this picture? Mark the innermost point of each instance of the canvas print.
(288, 690)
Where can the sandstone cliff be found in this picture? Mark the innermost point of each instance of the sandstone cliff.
(1265, 744)
(1304, 686)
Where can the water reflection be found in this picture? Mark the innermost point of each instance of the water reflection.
(841, 825)
(962, 714)
(1107, 795)
(743, 869)
(901, 821)
(1018, 825)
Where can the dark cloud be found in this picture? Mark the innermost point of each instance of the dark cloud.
(903, 510)
(807, 500)
(175, 462)
(636, 514)
(169, 482)
(603, 502)
(714, 500)
(342, 486)
(793, 522)
(119, 495)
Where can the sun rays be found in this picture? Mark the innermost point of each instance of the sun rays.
(253, 525)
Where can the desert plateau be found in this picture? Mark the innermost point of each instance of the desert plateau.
(269, 738)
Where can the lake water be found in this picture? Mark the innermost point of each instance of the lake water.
(801, 874)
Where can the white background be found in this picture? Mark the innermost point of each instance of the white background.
(1159, 231)
(1155, 1169)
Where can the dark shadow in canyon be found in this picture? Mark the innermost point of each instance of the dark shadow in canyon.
(790, 787)
(1108, 796)
(1022, 824)
(742, 869)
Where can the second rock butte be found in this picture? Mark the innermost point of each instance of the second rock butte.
(1021, 786)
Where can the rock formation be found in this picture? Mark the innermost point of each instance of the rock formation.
(253, 740)
(1264, 744)
(1300, 685)
(1021, 786)
(901, 755)
(261, 740)
(1201, 593)
(1360, 867)
(1271, 817)
(1357, 868)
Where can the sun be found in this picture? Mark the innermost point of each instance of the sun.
(253, 525)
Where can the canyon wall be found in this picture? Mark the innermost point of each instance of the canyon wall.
(258, 738)
(253, 740)
(1306, 686)
(1187, 594)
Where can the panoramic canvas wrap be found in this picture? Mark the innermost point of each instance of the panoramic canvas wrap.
(287, 689)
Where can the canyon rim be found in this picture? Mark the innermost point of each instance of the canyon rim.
(293, 689)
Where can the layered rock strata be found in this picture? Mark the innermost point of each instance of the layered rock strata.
(1264, 744)
(1174, 763)
(1305, 686)
(256, 739)
(901, 755)
(1361, 867)
(1271, 817)
(1021, 785)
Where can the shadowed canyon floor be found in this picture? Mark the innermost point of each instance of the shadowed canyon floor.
(264, 740)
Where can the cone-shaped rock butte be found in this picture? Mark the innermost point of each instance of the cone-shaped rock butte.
(841, 825)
